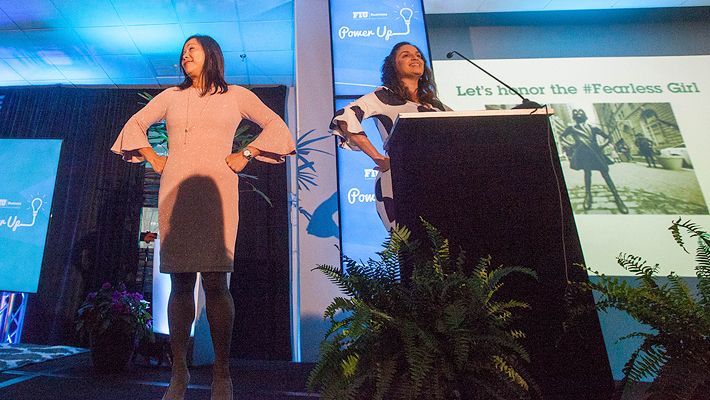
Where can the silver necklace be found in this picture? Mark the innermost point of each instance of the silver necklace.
(189, 128)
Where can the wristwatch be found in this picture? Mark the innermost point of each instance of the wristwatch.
(247, 154)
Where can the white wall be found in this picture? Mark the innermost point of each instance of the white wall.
(311, 292)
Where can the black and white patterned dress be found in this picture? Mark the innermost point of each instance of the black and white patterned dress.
(384, 106)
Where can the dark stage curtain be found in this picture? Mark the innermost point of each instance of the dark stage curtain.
(260, 283)
(93, 232)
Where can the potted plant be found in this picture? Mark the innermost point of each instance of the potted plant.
(443, 334)
(677, 350)
(113, 321)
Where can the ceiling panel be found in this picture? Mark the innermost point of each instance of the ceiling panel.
(159, 39)
(8, 74)
(235, 64)
(267, 35)
(165, 64)
(6, 22)
(225, 33)
(270, 10)
(107, 40)
(80, 14)
(34, 69)
(14, 44)
(269, 62)
(148, 12)
(55, 41)
(191, 11)
(125, 66)
(33, 14)
(81, 68)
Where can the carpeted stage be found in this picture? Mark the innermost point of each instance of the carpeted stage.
(72, 377)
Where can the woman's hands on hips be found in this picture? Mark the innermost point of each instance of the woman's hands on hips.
(155, 161)
(158, 164)
(236, 161)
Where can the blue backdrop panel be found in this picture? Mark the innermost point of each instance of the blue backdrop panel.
(29, 170)
(362, 232)
(364, 32)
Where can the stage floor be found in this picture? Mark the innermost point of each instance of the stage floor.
(72, 378)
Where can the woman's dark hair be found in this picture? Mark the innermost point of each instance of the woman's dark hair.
(426, 90)
(212, 71)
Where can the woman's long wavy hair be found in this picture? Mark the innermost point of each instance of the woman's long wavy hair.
(212, 71)
(426, 90)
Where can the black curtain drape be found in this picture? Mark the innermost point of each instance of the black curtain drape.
(260, 283)
(94, 228)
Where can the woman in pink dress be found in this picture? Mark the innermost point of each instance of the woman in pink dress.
(198, 202)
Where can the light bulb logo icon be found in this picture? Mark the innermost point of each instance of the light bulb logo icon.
(406, 14)
(36, 205)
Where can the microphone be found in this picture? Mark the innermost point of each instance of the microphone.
(527, 103)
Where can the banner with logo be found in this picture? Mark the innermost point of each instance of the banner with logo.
(364, 32)
(362, 35)
(29, 170)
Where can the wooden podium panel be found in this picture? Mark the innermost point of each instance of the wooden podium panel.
(492, 183)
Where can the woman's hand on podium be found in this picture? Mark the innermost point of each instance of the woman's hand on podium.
(383, 163)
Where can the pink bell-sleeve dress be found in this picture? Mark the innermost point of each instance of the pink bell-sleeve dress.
(198, 202)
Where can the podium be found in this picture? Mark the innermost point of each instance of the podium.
(492, 183)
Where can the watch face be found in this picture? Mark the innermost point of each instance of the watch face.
(247, 153)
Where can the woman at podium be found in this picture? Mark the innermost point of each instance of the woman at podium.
(407, 86)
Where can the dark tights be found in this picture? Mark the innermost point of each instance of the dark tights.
(607, 178)
(220, 315)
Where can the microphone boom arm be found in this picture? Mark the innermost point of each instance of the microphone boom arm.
(527, 103)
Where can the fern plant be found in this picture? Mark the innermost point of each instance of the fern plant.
(443, 334)
(677, 352)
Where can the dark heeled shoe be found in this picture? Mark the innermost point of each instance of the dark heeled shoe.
(178, 386)
(587, 201)
(620, 204)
